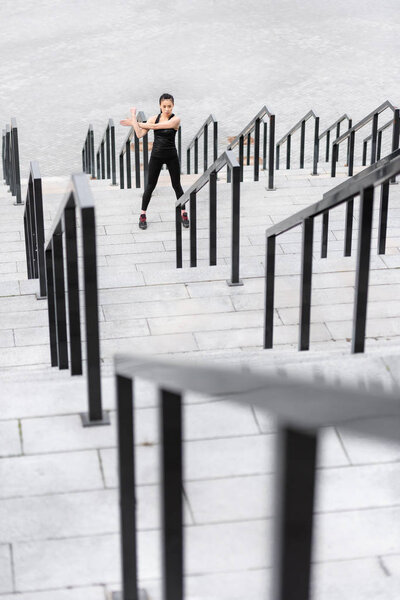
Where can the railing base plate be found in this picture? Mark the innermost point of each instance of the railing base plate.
(231, 284)
(118, 595)
(39, 297)
(314, 174)
(86, 422)
(19, 203)
(267, 189)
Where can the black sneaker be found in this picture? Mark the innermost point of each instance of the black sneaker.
(185, 220)
(142, 221)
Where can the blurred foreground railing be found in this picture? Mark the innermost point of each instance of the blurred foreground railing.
(300, 409)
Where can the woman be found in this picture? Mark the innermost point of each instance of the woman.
(165, 126)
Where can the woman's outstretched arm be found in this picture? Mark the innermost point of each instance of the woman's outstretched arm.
(171, 124)
(132, 122)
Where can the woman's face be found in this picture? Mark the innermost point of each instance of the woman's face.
(166, 107)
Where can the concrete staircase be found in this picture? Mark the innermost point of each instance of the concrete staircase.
(58, 501)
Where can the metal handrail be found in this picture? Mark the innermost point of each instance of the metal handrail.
(10, 161)
(203, 131)
(88, 161)
(34, 229)
(379, 142)
(327, 133)
(105, 161)
(227, 158)
(288, 138)
(126, 149)
(300, 409)
(351, 132)
(363, 185)
(254, 125)
(78, 196)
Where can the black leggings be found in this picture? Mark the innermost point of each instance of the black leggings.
(155, 165)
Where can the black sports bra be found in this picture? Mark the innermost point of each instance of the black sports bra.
(164, 140)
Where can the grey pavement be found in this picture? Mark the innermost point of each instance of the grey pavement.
(59, 522)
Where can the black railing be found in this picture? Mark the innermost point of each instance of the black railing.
(350, 135)
(287, 138)
(327, 134)
(203, 131)
(363, 185)
(126, 151)
(34, 229)
(59, 287)
(10, 160)
(239, 140)
(379, 141)
(210, 176)
(300, 410)
(88, 158)
(105, 156)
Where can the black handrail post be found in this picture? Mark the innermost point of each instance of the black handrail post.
(113, 159)
(32, 239)
(127, 486)
(213, 218)
(265, 137)
(241, 157)
(51, 309)
(108, 152)
(196, 155)
(205, 148)
(248, 148)
(8, 156)
(171, 493)
(73, 289)
(294, 506)
(180, 144)
(92, 169)
(364, 153)
(338, 135)
(362, 270)
(379, 146)
(374, 137)
(39, 225)
(351, 153)
(395, 135)
(137, 160)
(59, 300)
(278, 148)
(98, 164)
(288, 145)
(334, 159)
(16, 176)
(235, 249)
(305, 283)
(193, 230)
(383, 216)
(128, 164)
(256, 153)
(28, 248)
(271, 153)
(95, 416)
(302, 143)
(103, 161)
(215, 139)
(316, 147)
(348, 142)
(269, 291)
(188, 161)
(328, 137)
(324, 234)
(178, 236)
(121, 171)
(349, 227)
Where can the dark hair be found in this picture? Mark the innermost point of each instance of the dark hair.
(166, 97)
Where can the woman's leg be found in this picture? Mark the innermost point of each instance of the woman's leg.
(155, 165)
(174, 169)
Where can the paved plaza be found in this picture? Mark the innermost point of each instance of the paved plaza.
(59, 523)
(67, 64)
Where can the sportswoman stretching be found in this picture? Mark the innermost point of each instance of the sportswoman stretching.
(165, 126)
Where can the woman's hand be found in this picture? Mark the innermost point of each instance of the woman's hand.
(133, 111)
(126, 122)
